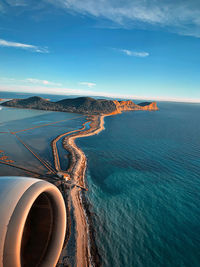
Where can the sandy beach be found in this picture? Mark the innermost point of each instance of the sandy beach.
(54, 146)
(77, 167)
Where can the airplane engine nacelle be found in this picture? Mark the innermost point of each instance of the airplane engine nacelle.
(32, 222)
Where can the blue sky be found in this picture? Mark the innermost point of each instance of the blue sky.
(130, 48)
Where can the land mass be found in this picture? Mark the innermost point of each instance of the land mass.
(83, 105)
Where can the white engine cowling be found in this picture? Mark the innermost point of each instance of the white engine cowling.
(32, 222)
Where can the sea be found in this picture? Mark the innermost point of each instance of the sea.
(143, 177)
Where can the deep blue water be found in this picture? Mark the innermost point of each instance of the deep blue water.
(144, 187)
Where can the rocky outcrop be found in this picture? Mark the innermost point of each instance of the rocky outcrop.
(130, 105)
(149, 106)
(83, 105)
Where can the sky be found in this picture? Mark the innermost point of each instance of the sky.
(142, 49)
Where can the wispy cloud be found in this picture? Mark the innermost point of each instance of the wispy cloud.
(6, 80)
(181, 16)
(31, 81)
(88, 84)
(134, 53)
(17, 2)
(43, 82)
(32, 48)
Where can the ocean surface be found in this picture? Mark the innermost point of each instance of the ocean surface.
(144, 187)
(143, 177)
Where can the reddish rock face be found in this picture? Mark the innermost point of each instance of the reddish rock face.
(150, 106)
(130, 105)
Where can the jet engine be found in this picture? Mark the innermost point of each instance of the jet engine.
(32, 222)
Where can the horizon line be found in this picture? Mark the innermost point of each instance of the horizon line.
(131, 97)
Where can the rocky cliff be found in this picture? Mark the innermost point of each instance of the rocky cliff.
(130, 105)
(84, 105)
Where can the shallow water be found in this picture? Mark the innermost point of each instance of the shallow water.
(36, 137)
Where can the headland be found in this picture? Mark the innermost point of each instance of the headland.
(81, 105)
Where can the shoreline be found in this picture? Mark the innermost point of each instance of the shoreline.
(77, 168)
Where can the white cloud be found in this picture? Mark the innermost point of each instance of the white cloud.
(180, 16)
(5, 79)
(134, 53)
(31, 81)
(32, 48)
(43, 82)
(17, 2)
(88, 84)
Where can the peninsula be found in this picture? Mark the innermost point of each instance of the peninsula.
(74, 174)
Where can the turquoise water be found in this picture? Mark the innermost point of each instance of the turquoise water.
(144, 180)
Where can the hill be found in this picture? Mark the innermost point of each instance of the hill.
(83, 105)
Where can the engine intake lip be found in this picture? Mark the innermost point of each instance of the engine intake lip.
(15, 250)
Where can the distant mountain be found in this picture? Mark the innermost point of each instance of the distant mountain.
(83, 105)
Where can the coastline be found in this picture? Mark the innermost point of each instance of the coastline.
(77, 167)
(75, 177)
(72, 184)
